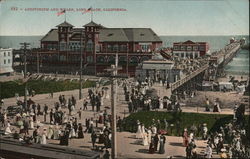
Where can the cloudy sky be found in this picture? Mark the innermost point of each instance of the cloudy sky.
(165, 17)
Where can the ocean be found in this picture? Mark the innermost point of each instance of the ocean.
(239, 65)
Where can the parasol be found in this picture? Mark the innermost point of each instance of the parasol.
(163, 132)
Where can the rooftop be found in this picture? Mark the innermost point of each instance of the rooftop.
(65, 24)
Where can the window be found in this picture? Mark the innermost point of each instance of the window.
(109, 47)
(89, 45)
(195, 48)
(189, 48)
(8, 53)
(176, 47)
(183, 47)
(115, 47)
(202, 48)
(123, 47)
(90, 59)
(4, 61)
(63, 46)
(4, 54)
(8, 60)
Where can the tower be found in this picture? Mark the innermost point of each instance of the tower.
(92, 31)
(64, 32)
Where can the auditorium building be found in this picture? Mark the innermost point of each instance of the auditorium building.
(61, 48)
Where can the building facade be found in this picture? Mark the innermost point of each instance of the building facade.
(190, 49)
(63, 46)
(6, 60)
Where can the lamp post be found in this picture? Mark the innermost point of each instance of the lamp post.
(24, 46)
(80, 89)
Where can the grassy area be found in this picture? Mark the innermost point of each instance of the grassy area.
(213, 121)
(8, 89)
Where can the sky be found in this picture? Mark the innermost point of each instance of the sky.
(165, 17)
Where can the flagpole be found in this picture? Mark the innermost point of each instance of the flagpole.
(65, 16)
(91, 14)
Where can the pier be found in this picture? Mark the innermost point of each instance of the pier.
(194, 78)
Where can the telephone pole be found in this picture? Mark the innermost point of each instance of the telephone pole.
(114, 69)
(80, 89)
(37, 62)
(25, 46)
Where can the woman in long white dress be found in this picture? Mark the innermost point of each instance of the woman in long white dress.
(31, 123)
(139, 130)
(50, 132)
(7, 129)
(44, 135)
(145, 139)
(56, 132)
(161, 103)
(142, 129)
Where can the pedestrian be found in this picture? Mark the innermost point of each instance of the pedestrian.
(80, 113)
(162, 144)
(80, 131)
(93, 138)
(85, 103)
(156, 140)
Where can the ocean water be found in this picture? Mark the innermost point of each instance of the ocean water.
(239, 64)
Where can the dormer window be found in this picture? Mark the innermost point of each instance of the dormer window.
(111, 34)
(142, 34)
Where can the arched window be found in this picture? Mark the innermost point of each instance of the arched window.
(111, 59)
(133, 59)
(89, 45)
(100, 59)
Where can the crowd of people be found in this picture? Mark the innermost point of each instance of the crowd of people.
(63, 121)
(35, 123)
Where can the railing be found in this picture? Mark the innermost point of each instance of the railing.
(188, 77)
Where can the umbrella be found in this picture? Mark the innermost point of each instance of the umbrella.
(163, 132)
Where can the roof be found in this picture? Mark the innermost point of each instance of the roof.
(159, 61)
(65, 24)
(190, 42)
(112, 34)
(52, 35)
(128, 34)
(92, 24)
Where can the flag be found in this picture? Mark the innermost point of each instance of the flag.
(88, 10)
(61, 12)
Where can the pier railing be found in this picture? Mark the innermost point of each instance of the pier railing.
(180, 82)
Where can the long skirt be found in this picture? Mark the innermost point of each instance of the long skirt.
(151, 148)
(161, 149)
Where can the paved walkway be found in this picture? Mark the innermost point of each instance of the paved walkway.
(128, 146)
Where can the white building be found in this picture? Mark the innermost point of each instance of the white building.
(6, 60)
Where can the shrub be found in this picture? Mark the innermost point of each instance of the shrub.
(8, 89)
